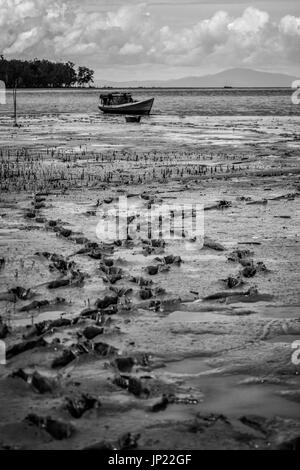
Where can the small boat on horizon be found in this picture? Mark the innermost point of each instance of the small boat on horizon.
(122, 103)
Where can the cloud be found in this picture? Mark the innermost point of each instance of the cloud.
(290, 26)
(251, 22)
(131, 49)
(62, 30)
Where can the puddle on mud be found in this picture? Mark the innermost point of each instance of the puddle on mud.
(284, 339)
(186, 316)
(188, 366)
(281, 311)
(39, 317)
(226, 395)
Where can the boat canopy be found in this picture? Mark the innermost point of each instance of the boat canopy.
(116, 98)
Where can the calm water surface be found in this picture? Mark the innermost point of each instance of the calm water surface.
(180, 102)
(181, 119)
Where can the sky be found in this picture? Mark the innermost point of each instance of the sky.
(155, 39)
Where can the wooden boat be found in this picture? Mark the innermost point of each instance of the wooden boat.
(133, 118)
(122, 103)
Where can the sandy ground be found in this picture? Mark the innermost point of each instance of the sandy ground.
(122, 355)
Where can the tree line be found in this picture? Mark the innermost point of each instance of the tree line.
(43, 74)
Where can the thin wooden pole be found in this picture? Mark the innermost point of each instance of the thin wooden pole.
(15, 104)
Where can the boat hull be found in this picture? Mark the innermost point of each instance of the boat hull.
(133, 118)
(139, 108)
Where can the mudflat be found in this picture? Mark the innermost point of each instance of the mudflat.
(149, 343)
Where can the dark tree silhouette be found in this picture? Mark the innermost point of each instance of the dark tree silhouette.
(85, 76)
(42, 74)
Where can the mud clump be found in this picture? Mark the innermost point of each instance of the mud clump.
(58, 262)
(111, 310)
(258, 423)
(124, 364)
(140, 281)
(238, 255)
(112, 273)
(58, 283)
(212, 244)
(290, 444)
(271, 429)
(41, 328)
(90, 332)
(39, 382)
(78, 406)
(65, 232)
(39, 205)
(52, 223)
(251, 295)
(250, 268)
(59, 430)
(151, 270)
(102, 445)
(233, 281)
(135, 387)
(81, 241)
(121, 292)
(4, 330)
(59, 323)
(171, 259)
(249, 271)
(128, 441)
(105, 350)
(153, 246)
(108, 262)
(146, 294)
(258, 202)
(108, 200)
(109, 299)
(21, 293)
(95, 254)
(2, 262)
(161, 405)
(43, 384)
(204, 421)
(36, 304)
(114, 278)
(76, 279)
(90, 312)
(224, 204)
(64, 359)
(24, 346)
(132, 385)
(30, 215)
(39, 199)
(20, 374)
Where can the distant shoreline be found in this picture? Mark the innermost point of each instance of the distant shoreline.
(159, 88)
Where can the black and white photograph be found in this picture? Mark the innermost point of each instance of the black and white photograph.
(149, 227)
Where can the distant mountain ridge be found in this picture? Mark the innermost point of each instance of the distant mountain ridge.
(237, 77)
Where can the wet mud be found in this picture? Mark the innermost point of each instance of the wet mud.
(138, 343)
